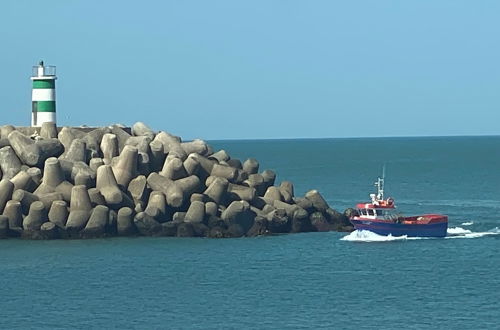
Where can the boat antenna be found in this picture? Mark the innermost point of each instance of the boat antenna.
(380, 185)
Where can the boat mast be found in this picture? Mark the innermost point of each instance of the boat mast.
(380, 185)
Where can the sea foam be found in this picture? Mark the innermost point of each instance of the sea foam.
(368, 236)
(454, 232)
(458, 232)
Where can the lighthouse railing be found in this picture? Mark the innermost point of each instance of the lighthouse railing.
(46, 70)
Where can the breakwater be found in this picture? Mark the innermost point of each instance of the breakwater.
(116, 181)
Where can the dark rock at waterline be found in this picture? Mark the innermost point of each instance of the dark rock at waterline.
(169, 229)
(185, 229)
(4, 226)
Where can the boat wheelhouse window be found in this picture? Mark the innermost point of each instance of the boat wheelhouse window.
(370, 212)
(380, 212)
(364, 212)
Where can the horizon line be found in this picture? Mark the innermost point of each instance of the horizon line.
(354, 137)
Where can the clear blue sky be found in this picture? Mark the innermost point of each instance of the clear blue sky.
(260, 69)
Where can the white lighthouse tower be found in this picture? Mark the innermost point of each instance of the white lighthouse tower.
(43, 95)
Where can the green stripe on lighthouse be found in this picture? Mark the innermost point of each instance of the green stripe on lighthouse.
(44, 106)
(48, 83)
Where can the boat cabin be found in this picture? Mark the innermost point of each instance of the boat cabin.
(372, 211)
(379, 208)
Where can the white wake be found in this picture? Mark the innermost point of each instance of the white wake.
(368, 236)
(458, 232)
(454, 232)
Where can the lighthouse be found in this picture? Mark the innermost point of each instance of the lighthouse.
(43, 96)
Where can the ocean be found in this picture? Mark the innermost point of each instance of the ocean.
(328, 280)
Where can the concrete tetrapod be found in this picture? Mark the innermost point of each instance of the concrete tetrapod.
(172, 191)
(10, 164)
(197, 197)
(223, 171)
(6, 189)
(80, 209)
(158, 156)
(237, 213)
(48, 130)
(96, 197)
(121, 135)
(138, 189)
(171, 144)
(140, 142)
(25, 198)
(304, 203)
(220, 156)
(25, 148)
(67, 135)
(157, 206)
(125, 222)
(96, 226)
(48, 198)
(13, 212)
(317, 200)
(109, 147)
(83, 179)
(269, 178)
(191, 165)
(143, 163)
(256, 181)
(205, 165)
(195, 212)
(53, 174)
(287, 191)
(34, 153)
(141, 129)
(36, 175)
(173, 169)
(95, 163)
(5, 131)
(93, 139)
(236, 163)
(36, 217)
(107, 185)
(211, 209)
(22, 180)
(58, 213)
(251, 166)
(64, 188)
(273, 194)
(196, 146)
(239, 192)
(77, 151)
(126, 167)
(188, 185)
(217, 190)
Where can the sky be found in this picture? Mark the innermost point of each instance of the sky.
(260, 69)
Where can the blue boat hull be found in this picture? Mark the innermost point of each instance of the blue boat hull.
(399, 229)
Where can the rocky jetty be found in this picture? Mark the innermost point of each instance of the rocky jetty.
(116, 181)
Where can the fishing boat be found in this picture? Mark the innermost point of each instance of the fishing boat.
(380, 216)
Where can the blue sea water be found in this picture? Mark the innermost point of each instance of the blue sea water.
(300, 281)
